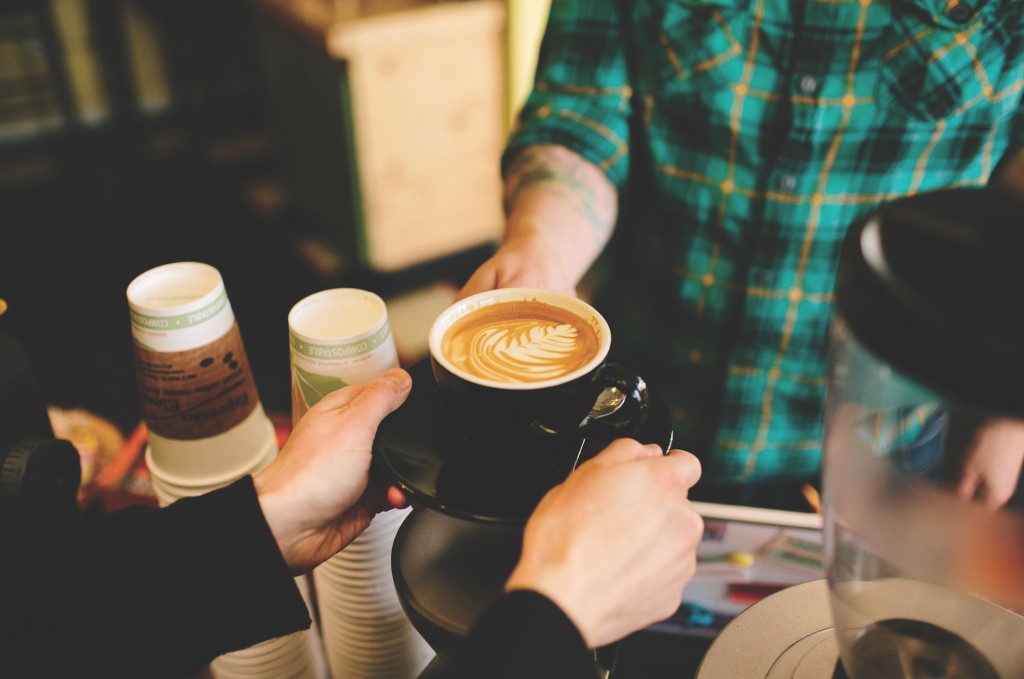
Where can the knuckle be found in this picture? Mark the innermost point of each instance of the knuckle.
(669, 603)
(378, 389)
(689, 526)
(695, 525)
(689, 568)
(686, 469)
(332, 400)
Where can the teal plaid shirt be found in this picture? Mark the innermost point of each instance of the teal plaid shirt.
(745, 138)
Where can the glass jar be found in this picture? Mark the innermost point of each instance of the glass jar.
(924, 440)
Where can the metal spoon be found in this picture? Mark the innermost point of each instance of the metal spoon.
(608, 402)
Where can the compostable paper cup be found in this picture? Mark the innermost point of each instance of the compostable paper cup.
(169, 488)
(337, 337)
(198, 397)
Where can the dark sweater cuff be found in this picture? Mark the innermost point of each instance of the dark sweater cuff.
(233, 570)
(209, 579)
(526, 635)
(142, 591)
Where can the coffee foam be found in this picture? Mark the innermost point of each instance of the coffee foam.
(521, 341)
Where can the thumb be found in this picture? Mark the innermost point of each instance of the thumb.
(374, 400)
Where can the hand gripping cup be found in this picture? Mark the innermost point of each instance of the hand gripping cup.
(199, 401)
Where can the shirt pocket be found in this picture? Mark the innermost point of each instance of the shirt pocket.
(698, 47)
(934, 66)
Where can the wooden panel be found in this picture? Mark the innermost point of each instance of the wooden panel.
(429, 135)
(424, 88)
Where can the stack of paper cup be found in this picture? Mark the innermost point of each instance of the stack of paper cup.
(341, 337)
(365, 632)
(206, 425)
(168, 487)
(198, 397)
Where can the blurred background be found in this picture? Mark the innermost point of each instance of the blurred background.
(296, 145)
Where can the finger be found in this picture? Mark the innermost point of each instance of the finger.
(992, 495)
(967, 488)
(686, 466)
(339, 398)
(396, 498)
(382, 396)
(376, 500)
(395, 379)
(624, 450)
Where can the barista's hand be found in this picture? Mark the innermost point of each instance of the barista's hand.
(993, 465)
(316, 495)
(615, 543)
(527, 261)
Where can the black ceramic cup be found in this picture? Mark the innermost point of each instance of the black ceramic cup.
(598, 393)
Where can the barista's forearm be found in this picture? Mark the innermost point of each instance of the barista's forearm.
(555, 195)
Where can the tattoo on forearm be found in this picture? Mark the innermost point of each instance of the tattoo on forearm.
(564, 175)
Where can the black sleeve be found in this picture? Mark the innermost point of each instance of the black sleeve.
(524, 635)
(143, 592)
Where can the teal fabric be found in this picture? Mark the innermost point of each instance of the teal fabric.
(746, 137)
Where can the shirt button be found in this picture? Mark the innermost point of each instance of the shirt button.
(787, 182)
(960, 13)
(808, 84)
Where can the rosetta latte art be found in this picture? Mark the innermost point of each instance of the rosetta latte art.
(520, 341)
(523, 351)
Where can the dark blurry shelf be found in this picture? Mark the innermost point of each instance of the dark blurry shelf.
(89, 207)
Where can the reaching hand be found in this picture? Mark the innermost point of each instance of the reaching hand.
(316, 496)
(615, 543)
(526, 262)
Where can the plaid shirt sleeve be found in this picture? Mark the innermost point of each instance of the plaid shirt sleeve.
(581, 96)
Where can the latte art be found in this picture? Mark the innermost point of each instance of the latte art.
(514, 350)
(525, 341)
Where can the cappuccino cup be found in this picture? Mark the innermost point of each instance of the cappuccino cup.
(515, 364)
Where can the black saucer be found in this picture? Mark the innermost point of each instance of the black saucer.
(420, 449)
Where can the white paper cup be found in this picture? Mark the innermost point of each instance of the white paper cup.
(220, 456)
(180, 306)
(198, 397)
(287, 656)
(169, 488)
(338, 337)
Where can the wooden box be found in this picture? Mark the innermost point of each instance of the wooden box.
(391, 115)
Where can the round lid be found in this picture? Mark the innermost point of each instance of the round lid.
(933, 285)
